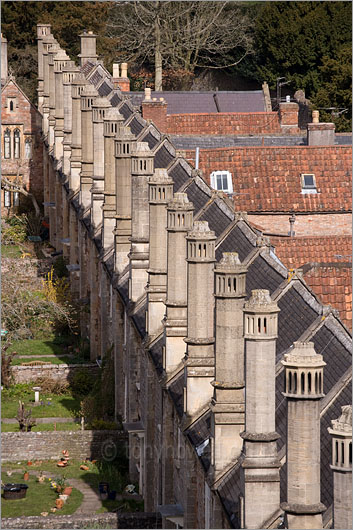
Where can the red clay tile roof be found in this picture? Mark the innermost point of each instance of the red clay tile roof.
(267, 179)
(296, 251)
(333, 285)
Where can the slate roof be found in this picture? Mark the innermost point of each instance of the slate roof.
(197, 196)
(267, 179)
(195, 102)
(176, 391)
(198, 434)
(236, 241)
(261, 273)
(217, 219)
(150, 139)
(179, 175)
(87, 68)
(332, 282)
(163, 157)
(296, 251)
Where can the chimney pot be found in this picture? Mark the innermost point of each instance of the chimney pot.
(315, 116)
(147, 93)
(123, 69)
(287, 99)
(115, 70)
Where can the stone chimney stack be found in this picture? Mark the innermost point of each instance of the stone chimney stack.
(155, 110)
(60, 60)
(53, 50)
(78, 85)
(160, 194)
(88, 94)
(4, 70)
(228, 404)
(46, 43)
(141, 169)
(124, 141)
(288, 117)
(341, 432)
(69, 72)
(99, 108)
(320, 133)
(179, 223)
(112, 120)
(88, 48)
(303, 389)
(199, 362)
(261, 465)
(43, 30)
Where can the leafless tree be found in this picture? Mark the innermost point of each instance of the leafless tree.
(181, 35)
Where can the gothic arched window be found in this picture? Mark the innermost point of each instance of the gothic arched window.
(16, 141)
(7, 143)
(28, 148)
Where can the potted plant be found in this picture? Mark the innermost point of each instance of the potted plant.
(67, 490)
(59, 484)
(25, 475)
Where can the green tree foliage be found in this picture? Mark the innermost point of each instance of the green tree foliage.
(68, 20)
(308, 43)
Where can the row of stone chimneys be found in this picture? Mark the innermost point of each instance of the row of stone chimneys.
(172, 257)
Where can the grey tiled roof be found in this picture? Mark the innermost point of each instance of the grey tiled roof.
(156, 353)
(198, 433)
(104, 89)
(229, 490)
(337, 358)
(125, 111)
(261, 275)
(176, 391)
(179, 176)
(236, 241)
(213, 142)
(96, 78)
(190, 102)
(163, 158)
(217, 220)
(151, 140)
(136, 126)
(295, 316)
(197, 196)
(139, 319)
(116, 99)
(87, 67)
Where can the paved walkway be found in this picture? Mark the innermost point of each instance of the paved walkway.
(91, 500)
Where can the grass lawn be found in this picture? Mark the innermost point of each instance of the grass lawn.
(10, 251)
(49, 346)
(39, 498)
(65, 406)
(112, 472)
(63, 359)
(43, 427)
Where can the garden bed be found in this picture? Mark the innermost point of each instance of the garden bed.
(40, 498)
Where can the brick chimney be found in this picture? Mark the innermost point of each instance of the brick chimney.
(88, 48)
(155, 110)
(288, 117)
(3, 59)
(320, 133)
(121, 81)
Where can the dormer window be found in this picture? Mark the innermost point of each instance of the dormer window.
(308, 183)
(222, 181)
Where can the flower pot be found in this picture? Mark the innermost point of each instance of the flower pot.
(67, 490)
(59, 503)
(63, 497)
(26, 476)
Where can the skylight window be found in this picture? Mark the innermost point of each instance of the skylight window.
(308, 183)
(222, 181)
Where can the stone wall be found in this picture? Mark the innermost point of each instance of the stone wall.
(62, 372)
(17, 446)
(106, 520)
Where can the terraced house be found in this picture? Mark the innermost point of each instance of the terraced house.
(232, 378)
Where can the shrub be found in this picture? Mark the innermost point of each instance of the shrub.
(82, 382)
(51, 386)
(6, 360)
(14, 232)
(101, 425)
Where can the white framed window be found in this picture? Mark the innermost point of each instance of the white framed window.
(222, 181)
(308, 183)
